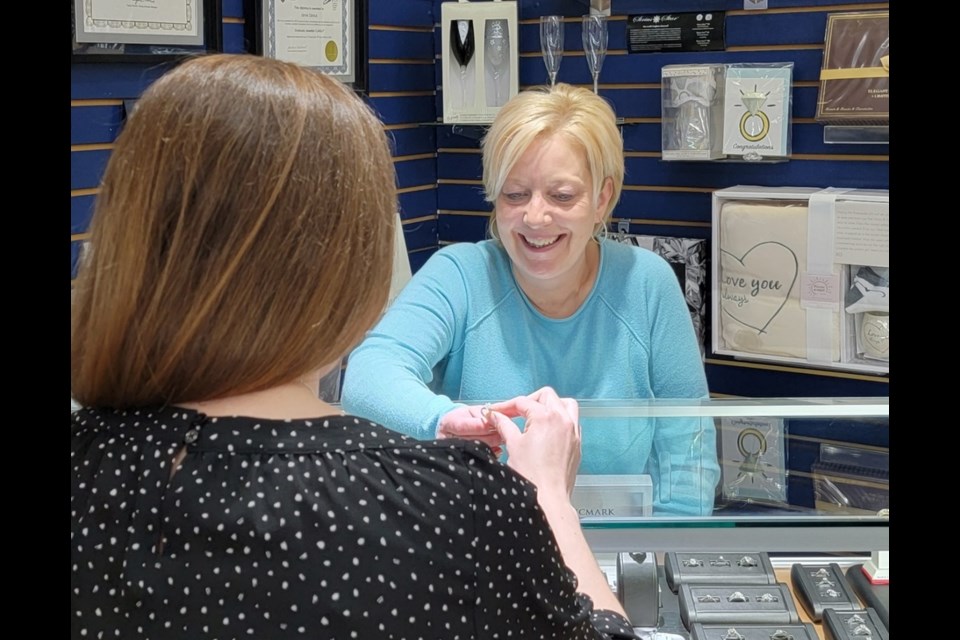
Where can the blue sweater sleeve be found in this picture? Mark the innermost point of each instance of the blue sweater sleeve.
(684, 454)
(387, 376)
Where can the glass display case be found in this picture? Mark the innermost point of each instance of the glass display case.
(803, 475)
(705, 515)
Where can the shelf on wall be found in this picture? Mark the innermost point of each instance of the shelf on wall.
(854, 134)
(475, 130)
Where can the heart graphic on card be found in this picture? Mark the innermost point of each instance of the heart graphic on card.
(755, 286)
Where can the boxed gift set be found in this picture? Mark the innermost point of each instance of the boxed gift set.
(854, 77)
(480, 59)
(800, 275)
(692, 111)
(726, 111)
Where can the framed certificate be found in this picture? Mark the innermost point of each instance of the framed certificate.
(326, 35)
(145, 30)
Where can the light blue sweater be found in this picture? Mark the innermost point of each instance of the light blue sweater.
(463, 330)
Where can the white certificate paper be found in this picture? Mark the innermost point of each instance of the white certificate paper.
(313, 33)
(160, 22)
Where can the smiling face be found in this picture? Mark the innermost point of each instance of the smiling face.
(546, 215)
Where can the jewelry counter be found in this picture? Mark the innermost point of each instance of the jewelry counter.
(785, 487)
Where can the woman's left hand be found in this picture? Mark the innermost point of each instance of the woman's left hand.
(469, 423)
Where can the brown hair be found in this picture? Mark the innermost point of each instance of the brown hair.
(585, 119)
(242, 236)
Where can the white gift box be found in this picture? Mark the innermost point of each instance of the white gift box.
(475, 93)
(783, 259)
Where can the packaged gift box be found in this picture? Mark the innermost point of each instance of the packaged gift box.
(789, 276)
(692, 111)
(854, 78)
(480, 59)
(756, 111)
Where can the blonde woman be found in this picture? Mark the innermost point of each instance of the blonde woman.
(547, 301)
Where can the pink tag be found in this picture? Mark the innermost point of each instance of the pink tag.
(821, 291)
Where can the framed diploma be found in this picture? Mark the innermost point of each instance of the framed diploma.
(145, 30)
(326, 35)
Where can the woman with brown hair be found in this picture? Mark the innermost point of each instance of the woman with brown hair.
(241, 244)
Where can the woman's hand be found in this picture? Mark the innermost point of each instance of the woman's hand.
(547, 451)
(469, 423)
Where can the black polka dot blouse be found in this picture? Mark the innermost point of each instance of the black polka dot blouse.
(327, 528)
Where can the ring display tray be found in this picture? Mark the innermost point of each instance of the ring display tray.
(737, 604)
(853, 625)
(821, 586)
(802, 631)
(717, 568)
(876, 596)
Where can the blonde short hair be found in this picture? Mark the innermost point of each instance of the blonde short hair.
(242, 236)
(581, 116)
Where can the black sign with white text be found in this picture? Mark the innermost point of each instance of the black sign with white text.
(693, 31)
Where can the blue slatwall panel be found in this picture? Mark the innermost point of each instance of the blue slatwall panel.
(461, 197)
(233, 41)
(532, 9)
(413, 140)
(86, 168)
(232, 8)
(414, 173)
(403, 13)
(406, 45)
(416, 204)
(107, 80)
(420, 235)
(95, 124)
(81, 210)
(454, 228)
(400, 77)
(404, 109)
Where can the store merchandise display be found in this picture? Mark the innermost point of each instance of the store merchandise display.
(753, 463)
(737, 604)
(480, 62)
(757, 111)
(717, 568)
(783, 261)
(822, 586)
(692, 111)
(855, 74)
(853, 625)
(803, 631)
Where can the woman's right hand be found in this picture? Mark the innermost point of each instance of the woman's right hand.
(547, 451)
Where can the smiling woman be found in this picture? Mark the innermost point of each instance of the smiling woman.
(548, 301)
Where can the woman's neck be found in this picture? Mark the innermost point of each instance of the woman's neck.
(561, 299)
(290, 401)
